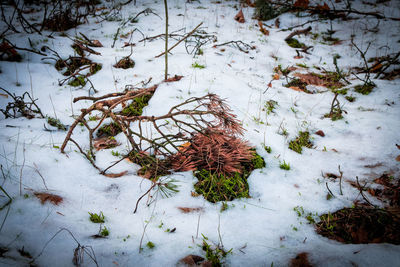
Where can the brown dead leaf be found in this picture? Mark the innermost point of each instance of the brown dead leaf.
(262, 29)
(240, 17)
(174, 79)
(301, 260)
(96, 43)
(334, 150)
(192, 260)
(115, 175)
(398, 158)
(270, 84)
(320, 133)
(45, 197)
(301, 3)
(276, 76)
(190, 209)
(324, 7)
(4, 95)
(104, 143)
(298, 57)
(277, 23)
(250, 4)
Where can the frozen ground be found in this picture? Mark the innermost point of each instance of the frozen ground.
(262, 230)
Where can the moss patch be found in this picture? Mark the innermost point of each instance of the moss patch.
(294, 43)
(364, 89)
(137, 105)
(303, 139)
(109, 129)
(226, 187)
(77, 81)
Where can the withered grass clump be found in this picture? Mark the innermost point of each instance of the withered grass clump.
(360, 225)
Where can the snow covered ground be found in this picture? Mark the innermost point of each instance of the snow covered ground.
(261, 230)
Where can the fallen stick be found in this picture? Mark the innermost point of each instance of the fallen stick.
(184, 38)
(298, 32)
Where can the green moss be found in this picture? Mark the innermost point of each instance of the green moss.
(198, 66)
(364, 89)
(350, 98)
(303, 139)
(78, 81)
(104, 232)
(56, 123)
(264, 10)
(270, 106)
(341, 91)
(218, 187)
(137, 105)
(284, 166)
(294, 43)
(109, 129)
(94, 68)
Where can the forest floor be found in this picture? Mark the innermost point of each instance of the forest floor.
(316, 90)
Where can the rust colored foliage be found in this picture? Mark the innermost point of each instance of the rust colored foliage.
(215, 151)
(47, 197)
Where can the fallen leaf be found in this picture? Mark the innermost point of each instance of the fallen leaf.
(4, 95)
(320, 133)
(276, 76)
(262, 29)
(96, 43)
(174, 79)
(240, 17)
(190, 209)
(192, 260)
(398, 158)
(301, 3)
(115, 175)
(334, 150)
(250, 4)
(105, 142)
(270, 84)
(277, 23)
(301, 260)
(44, 197)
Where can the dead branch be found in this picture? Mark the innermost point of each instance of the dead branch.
(196, 115)
(298, 32)
(184, 38)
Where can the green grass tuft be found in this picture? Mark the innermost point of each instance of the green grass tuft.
(302, 140)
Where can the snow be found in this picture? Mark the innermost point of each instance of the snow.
(260, 230)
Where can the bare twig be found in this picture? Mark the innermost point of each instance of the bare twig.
(298, 32)
(181, 40)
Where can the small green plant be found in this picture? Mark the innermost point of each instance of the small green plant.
(303, 139)
(109, 129)
(350, 98)
(93, 118)
(150, 245)
(284, 166)
(266, 10)
(79, 80)
(214, 254)
(270, 106)
(115, 153)
(310, 217)
(104, 232)
(198, 66)
(294, 43)
(268, 149)
(56, 123)
(96, 218)
(301, 65)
